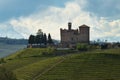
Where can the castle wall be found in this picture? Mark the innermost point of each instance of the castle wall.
(71, 36)
(84, 34)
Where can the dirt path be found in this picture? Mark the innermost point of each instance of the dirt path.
(37, 76)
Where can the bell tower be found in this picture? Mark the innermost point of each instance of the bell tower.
(69, 25)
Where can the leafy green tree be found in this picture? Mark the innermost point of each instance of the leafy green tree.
(31, 39)
(40, 39)
(37, 38)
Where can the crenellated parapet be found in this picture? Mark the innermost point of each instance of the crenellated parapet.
(74, 36)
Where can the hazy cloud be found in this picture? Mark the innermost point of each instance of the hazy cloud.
(104, 8)
(53, 18)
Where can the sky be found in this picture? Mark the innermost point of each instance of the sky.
(20, 18)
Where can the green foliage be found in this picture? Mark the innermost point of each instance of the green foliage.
(40, 39)
(50, 41)
(45, 39)
(6, 74)
(104, 46)
(50, 51)
(93, 47)
(31, 39)
(82, 47)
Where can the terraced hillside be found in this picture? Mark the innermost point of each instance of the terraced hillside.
(86, 66)
(34, 64)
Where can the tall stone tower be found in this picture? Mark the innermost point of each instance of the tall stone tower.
(84, 34)
(70, 37)
(69, 26)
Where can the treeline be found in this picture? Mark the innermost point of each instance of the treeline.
(40, 39)
(6, 40)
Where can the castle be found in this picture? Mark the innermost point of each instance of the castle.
(70, 37)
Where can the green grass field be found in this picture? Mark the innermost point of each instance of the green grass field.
(31, 64)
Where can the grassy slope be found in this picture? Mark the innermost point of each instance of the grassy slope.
(26, 64)
(101, 65)
(95, 65)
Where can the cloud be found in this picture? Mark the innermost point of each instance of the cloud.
(50, 20)
(16, 8)
(53, 18)
(104, 8)
(6, 30)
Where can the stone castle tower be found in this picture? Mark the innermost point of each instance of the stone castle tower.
(70, 37)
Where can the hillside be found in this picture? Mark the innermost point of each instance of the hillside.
(31, 64)
(86, 66)
(13, 41)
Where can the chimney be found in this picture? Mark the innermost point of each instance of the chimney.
(69, 26)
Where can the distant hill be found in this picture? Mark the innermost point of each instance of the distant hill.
(31, 64)
(9, 45)
(11, 41)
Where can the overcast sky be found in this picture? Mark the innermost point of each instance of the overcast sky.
(20, 18)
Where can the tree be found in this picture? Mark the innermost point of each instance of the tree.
(45, 39)
(31, 39)
(37, 39)
(50, 39)
(40, 39)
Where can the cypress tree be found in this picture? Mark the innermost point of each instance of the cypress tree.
(45, 39)
(50, 39)
(40, 39)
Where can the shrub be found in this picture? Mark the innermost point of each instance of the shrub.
(104, 46)
(49, 51)
(92, 47)
(82, 47)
